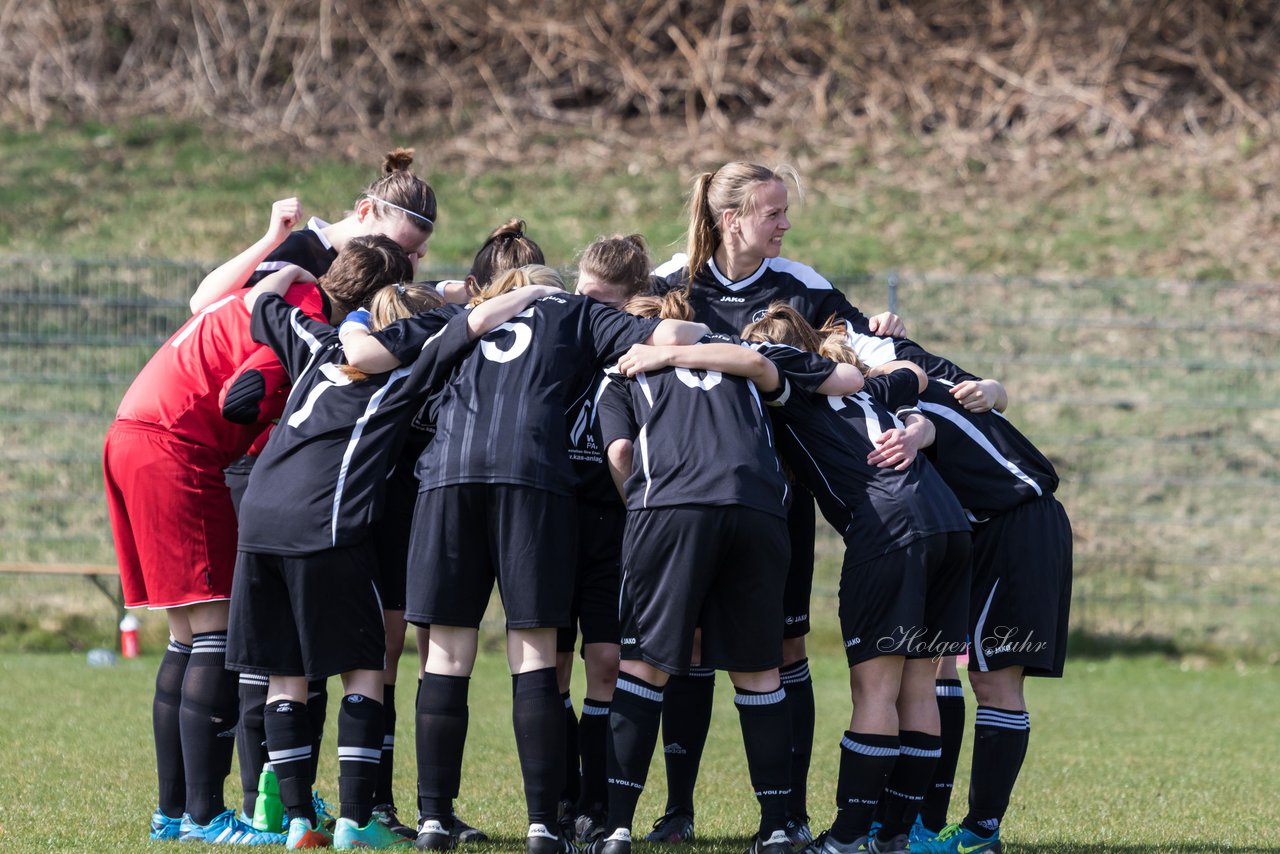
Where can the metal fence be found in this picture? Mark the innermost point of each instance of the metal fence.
(1158, 401)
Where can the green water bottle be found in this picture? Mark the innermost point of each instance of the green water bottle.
(268, 810)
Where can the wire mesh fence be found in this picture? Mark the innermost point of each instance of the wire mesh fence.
(1159, 402)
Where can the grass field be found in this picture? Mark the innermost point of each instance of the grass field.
(1129, 754)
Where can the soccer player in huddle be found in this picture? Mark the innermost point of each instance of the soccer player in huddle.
(496, 504)
(611, 270)
(705, 546)
(1020, 597)
(196, 406)
(306, 603)
(732, 271)
(401, 206)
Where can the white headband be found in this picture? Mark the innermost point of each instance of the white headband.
(427, 220)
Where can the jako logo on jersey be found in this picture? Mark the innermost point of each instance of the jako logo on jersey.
(732, 299)
(628, 641)
(791, 621)
(852, 642)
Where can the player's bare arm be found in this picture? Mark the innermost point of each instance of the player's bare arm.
(278, 282)
(232, 275)
(677, 332)
(897, 365)
(619, 454)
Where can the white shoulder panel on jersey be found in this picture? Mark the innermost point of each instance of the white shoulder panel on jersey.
(316, 224)
(810, 277)
(872, 350)
(678, 262)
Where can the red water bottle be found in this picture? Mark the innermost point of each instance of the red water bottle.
(129, 636)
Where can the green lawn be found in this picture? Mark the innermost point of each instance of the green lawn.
(1127, 754)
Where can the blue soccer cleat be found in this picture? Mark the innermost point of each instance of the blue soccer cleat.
(226, 829)
(347, 835)
(163, 827)
(958, 839)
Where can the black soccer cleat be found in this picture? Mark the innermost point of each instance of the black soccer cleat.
(542, 841)
(776, 843)
(434, 836)
(618, 842)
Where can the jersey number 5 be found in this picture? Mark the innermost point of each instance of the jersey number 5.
(523, 338)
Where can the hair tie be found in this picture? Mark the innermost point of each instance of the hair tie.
(400, 288)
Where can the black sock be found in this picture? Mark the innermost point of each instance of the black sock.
(937, 800)
(686, 720)
(289, 748)
(382, 792)
(904, 792)
(593, 741)
(537, 716)
(165, 716)
(866, 760)
(766, 735)
(799, 687)
(572, 770)
(207, 718)
(318, 708)
(251, 737)
(1000, 739)
(361, 728)
(441, 733)
(633, 733)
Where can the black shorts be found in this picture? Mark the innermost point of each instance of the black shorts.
(722, 569)
(595, 590)
(909, 602)
(391, 535)
(468, 535)
(801, 527)
(314, 615)
(1021, 589)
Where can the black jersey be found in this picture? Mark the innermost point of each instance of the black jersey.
(728, 306)
(307, 247)
(826, 441)
(503, 415)
(701, 437)
(586, 446)
(320, 481)
(986, 461)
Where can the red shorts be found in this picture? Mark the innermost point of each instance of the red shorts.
(171, 517)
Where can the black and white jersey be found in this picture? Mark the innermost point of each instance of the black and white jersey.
(826, 441)
(307, 247)
(986, 461)
(586, 446)
(701, 437)
(503, 417)
(320, 481)
(728, 306)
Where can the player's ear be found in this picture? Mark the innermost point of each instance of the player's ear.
(364, 208)
(729, 222)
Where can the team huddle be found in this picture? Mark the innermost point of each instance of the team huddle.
(328, 452)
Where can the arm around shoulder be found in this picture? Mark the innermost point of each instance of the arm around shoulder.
(900, 364)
